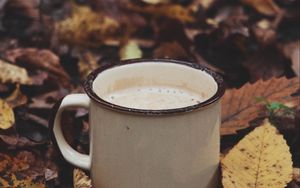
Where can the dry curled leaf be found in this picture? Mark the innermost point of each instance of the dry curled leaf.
(239, 106)
(13, 74)
(7, 117)
(81, 180)
(130, 51)
(260, 160)
(266, 7)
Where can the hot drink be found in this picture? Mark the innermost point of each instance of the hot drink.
(154, 97)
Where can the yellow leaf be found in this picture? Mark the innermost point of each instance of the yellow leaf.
(130, 51)
(7, 117)
(87, 28)
(13, 74)
(81, 180)
(174, 11)
(260, 160)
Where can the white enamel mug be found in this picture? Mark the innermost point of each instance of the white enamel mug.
(141, 148)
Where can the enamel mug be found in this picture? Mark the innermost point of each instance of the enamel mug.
(142, 148)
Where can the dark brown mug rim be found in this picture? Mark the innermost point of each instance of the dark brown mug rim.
(88, 87)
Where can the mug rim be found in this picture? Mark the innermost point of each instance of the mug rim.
(88, 87)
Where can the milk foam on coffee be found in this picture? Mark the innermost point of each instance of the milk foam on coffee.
(153, 97)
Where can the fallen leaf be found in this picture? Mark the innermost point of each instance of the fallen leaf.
(50, 174)
(296, 174)
(7, 117)
(172, 50)
(24, 170)
(24, 20)
(38, 59)
(47, 100)
(14, 141)
(266, 7)
(204, 3)
(292, 51)
(232, 20)
(264, 32)
(88, 28)
(81, 180)
(173, 11)
(130, 50)
(17, 98)
(87, 63)
(239, 106)
(13, 74)
(265, 64)
(260, 160)
(156, 1)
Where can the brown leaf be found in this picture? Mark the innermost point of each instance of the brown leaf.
(266, 7)
(13, 74)
(17, 98)
(24, 20)
(260, 160)
(265, 63)
(7, 117)
(231, 20)
(292, 51)
(239, 106)
(171, 50)
(204, 3)
(264, 32)
(296, 174)
(81, 180)
(17, 141)
(24, 169)
(48, 99)
(38, 59)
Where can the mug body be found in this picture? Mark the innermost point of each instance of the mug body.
(172, 151)
(142, 148)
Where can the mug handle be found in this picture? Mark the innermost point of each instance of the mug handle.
(71, 155)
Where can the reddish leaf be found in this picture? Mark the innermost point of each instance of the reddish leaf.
(239, 106)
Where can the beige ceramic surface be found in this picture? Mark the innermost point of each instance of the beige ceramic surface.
(130, 150)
